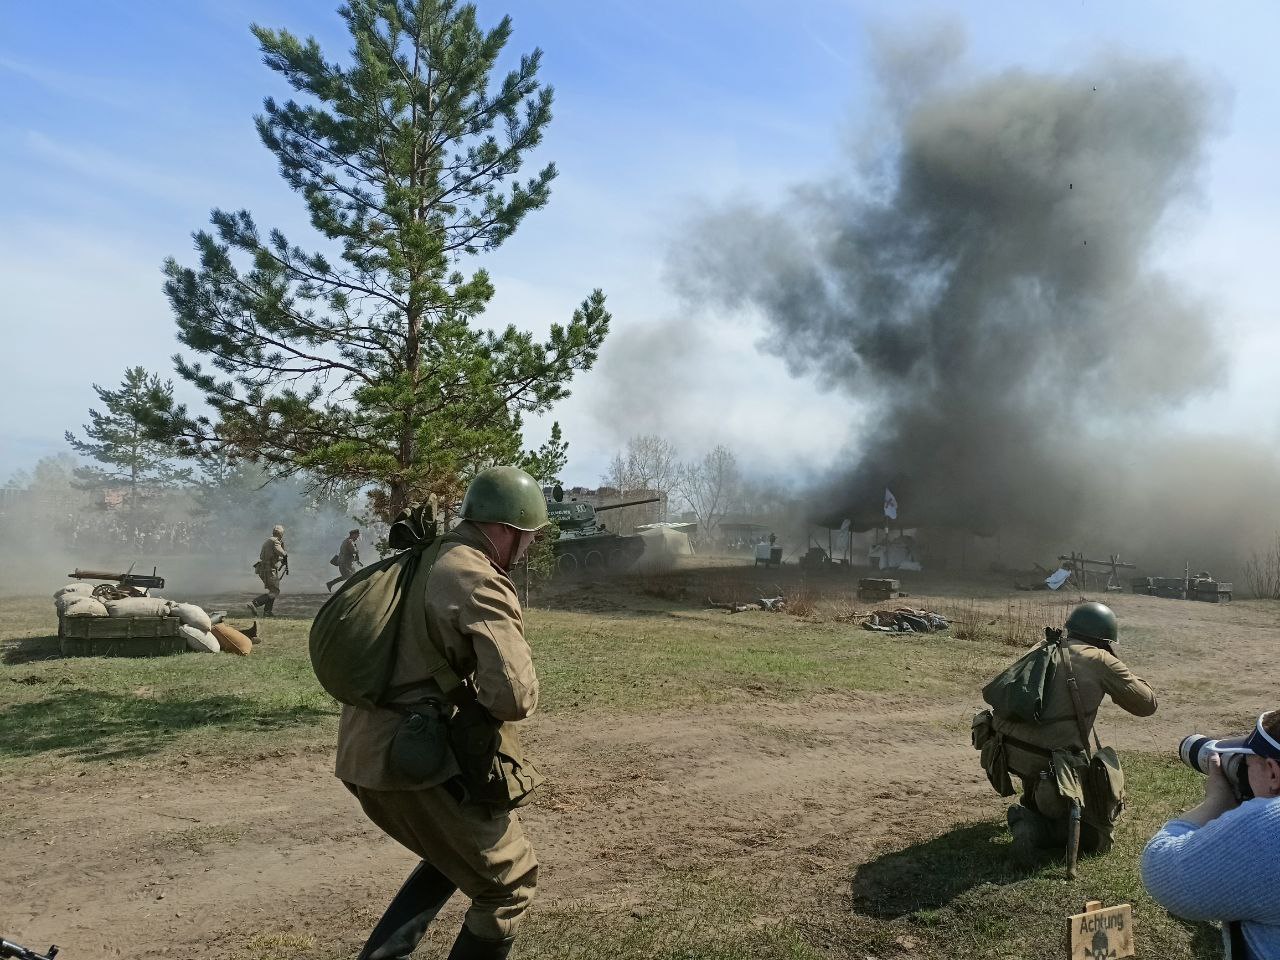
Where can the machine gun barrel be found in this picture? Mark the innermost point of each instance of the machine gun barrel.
(128, 578)
(628, 503)
(19, 952)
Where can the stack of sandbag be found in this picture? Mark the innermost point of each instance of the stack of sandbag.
(196, 627)
(77, 600)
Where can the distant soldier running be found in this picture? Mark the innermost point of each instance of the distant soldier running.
(273, 562)
(347, 559)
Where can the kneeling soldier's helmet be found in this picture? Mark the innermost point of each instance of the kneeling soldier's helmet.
(1095, 622)
(506, 495)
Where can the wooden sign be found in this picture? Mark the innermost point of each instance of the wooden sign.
(1100, 933)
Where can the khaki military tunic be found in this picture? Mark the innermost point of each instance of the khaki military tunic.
(1099, 674)
(268, 566)
(474, 609)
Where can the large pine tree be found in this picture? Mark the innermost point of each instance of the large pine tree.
(120, 438)
(363, 363)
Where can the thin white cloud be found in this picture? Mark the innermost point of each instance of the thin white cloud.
(103, 166)
(75, 86)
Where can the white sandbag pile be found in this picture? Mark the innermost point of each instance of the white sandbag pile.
(201, 641)
(191, 616)
(81, 605)
(138, 607)
(195, 625)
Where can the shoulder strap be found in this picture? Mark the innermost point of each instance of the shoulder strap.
(1074, 689)
(417, 622)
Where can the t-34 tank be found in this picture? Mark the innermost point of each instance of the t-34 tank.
(587, 544)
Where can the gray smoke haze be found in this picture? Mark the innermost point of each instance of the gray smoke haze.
(990, 293)
(203, 541)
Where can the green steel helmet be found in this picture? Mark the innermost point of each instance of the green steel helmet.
(506, 495)
(1094, 621)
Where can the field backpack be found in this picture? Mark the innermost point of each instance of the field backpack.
(1018, 691)
(355, 634)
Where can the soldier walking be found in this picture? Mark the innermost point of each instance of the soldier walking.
(1044, 753)
(347, 559)
(273, 562)
(474, 633)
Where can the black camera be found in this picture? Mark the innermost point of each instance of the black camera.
(1195, 751)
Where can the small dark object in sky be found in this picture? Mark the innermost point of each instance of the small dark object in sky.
(1070, 186)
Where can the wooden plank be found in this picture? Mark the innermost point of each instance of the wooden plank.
(1100, 933)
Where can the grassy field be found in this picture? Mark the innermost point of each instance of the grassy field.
(955, 893)
(92, 709)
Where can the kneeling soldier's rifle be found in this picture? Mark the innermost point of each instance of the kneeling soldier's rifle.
(19, 952)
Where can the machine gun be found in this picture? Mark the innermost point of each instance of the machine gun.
(128, 583)
(19, 952)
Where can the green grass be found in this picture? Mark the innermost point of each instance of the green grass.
(112, 709)
(674, 657)
(963, 894)
(94, 709)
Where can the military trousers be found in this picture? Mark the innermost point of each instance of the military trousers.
(1040, 795)
(271, 584)
(487, 857)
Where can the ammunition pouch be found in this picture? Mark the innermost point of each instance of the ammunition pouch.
(989, 742)
(1096, 783)
(496, 771)
(420, 750)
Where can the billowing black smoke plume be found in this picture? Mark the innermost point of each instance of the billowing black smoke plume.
(990, 293)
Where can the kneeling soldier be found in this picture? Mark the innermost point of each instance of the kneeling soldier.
(1046, 753)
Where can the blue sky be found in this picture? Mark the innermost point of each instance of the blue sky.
(123, 123)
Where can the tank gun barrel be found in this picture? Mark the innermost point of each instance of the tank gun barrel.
(628, 503)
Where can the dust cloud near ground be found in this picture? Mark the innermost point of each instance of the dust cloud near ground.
(201, 539)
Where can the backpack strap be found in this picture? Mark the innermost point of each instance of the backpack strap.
(1074, 689)
(416, 622)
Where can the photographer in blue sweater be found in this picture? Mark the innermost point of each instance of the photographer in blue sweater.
(1219, 861)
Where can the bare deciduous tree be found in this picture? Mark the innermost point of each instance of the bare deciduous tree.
(648, 463)
(710, 486)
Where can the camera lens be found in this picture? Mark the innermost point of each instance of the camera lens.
(1195, 751)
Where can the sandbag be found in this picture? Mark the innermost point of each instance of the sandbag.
(232, 640)
(191, 615)
(71, 588)
(84, 606)
(201, 641)
(138, 607)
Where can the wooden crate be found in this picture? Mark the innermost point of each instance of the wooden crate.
(877, 588)
(121, 637)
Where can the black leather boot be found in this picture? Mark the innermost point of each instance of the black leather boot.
(470, 947)
(407, 917)
(268, 607)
